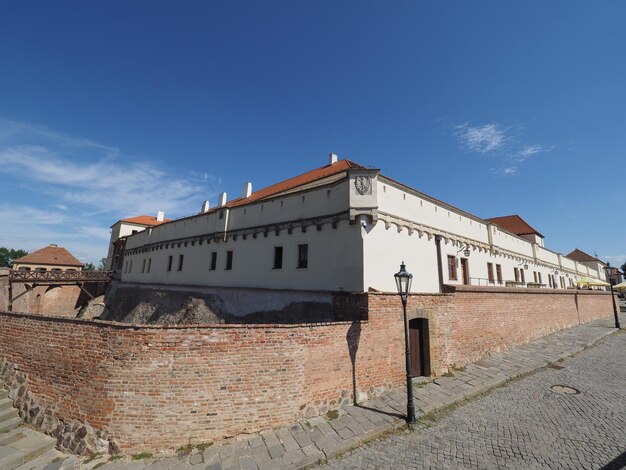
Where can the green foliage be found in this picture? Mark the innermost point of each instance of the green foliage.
(89, 267)
(92, 267)
(623, 269)
(7, 255)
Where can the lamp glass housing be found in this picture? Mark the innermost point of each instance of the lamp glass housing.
(403, 280)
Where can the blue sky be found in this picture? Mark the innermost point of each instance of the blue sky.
(114, 109)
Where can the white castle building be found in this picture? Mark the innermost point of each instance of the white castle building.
(341, 227)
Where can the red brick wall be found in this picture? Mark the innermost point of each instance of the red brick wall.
(202, 383)
(473, 322)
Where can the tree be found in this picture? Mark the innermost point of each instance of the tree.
(623, 267)
(93, 267)
(7, 255)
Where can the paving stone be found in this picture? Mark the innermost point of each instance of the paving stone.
(523, 425)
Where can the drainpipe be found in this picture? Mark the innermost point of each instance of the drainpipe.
(439, 262)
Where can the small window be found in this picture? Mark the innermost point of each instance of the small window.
(221, 214)
(213, 261)
(550, 280)
(499, 273)
(535, 276)
(539, 277)
(516, 273)
(169, 262)
(490, 272)
(143, 266)
(181, 258)
(135, 231)
(149, 265)
(303, 256)
(522, 276)
(278, 257)
(452, 268)
(229, 260)
(40, 269)
(24, 268)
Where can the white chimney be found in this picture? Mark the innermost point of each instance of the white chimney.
(205, 207)
(222, 200)
(160, 216)
(247, 189)
(332, 158)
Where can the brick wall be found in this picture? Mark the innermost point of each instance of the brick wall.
(470, 323)
(199, 383)
(152, 387)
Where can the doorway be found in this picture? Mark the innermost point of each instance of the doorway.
(419, 347)
(465, 271)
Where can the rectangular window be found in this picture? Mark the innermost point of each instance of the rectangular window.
(452, 268)
(278, 257)
(303, 256)
(516, 272)
(490, 272)
(550, 280)
(535, 277)
(143, 266)
(539, 277)
(499, 273)
(229, 260)
(130, 266)
(522, 277)
(180, 262)
(169, 262)
(213, 261)
(149, 265)
(562, 280)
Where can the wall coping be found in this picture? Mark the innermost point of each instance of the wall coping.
(204, 326)
(452, 289)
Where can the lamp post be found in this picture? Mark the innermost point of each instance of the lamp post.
(403, 283)
(607, 270)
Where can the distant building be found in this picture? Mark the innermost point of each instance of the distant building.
(132, 225)
(49, 258)
(591, 261)
(341, 227)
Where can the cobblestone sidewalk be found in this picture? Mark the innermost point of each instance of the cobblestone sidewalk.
(315, 440)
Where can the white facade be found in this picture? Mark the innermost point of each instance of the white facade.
(357, 227)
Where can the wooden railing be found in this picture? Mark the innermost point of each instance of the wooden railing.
(59, 276)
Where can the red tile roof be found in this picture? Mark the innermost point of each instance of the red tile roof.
(514, 224)
(296, 181)
(579, 255)
(145, 220)
(51, 254)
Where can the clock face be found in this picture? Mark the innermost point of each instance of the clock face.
(363, 184)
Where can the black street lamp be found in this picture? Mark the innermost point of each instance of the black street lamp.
(403, 283)
(607, 270)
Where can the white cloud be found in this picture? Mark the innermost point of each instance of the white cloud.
(81, 188)
(499, 142)
(482, 139)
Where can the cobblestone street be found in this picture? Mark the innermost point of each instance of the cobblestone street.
(523, 425)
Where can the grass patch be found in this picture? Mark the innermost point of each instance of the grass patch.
(203, 445)
(98, 465)
(142, 456)
(448, 374)
(332, 414)
(93, 457)
(113, 458)
(186, 449)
